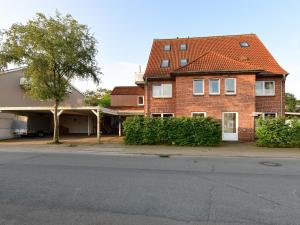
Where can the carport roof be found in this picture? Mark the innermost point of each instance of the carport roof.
(74, 109)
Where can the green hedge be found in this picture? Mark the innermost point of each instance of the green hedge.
(172, 131)
(278, 132)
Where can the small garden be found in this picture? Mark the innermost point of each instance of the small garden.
(173, 131)
(278, 132)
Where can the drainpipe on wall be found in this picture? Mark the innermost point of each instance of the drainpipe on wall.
(281, 95)
(147, 97)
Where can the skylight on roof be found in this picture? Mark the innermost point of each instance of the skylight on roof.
(244, 44)
(165, 63)
(183, 62)
(183, 47)
(167, 48)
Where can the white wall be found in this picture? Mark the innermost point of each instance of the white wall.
(75, 124)
(6, 121)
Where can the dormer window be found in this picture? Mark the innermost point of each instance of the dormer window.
(183, 47)
(167, 48)
(244, 44)
(183, 62)
(165, 63)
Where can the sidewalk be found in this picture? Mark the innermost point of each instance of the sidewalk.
(225, 150)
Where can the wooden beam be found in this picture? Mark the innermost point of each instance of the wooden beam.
(95, 112)
(98, 126)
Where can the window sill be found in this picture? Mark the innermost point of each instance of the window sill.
(265, 95)
(229, 94)
(198, 94)
(214, 94)
(162, 97)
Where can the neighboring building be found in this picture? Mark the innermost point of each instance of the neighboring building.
(128, 98)
(233, 78)
(20, 114)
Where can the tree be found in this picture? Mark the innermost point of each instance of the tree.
(54, 50)
(99, 97)
(290, 102)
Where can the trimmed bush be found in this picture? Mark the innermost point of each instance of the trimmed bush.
(278, 132)
(172, 131)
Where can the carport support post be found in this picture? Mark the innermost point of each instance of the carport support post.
(120, 126)
(98, 114)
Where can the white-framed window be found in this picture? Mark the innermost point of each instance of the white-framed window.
(165, 63)
(140, 100)
(265, 88)
(198, 87)
(230, 86)
(183, 62)
(162, 90)
(214, 86)
(163, 115)
(198, 114)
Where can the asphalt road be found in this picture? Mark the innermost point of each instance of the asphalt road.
(92, 189)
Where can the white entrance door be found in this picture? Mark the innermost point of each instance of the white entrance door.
(230, 126)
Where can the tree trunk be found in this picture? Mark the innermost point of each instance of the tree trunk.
(56, 124)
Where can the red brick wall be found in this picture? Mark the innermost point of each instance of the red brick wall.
(271, 103)
(124, 100)
(243, 102)
(161, 105)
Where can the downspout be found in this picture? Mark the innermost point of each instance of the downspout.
(147, 96)
(281, 95)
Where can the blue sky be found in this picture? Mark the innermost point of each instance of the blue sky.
(125, 29)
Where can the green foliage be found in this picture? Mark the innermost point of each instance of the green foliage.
(55, 51)
(290, 102)
(100, 97)
(172, 131)
(278, 132)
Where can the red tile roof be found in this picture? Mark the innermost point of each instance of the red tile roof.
(212, 61)
(217, 53)
(127, 90)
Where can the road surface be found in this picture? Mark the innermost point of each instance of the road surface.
(91, 189)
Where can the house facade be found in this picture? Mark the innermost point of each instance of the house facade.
(231, 78)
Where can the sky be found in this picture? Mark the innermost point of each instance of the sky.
(125, 29)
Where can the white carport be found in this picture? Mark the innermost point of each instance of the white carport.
(82, 110)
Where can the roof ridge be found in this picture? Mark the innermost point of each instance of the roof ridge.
(202, 37)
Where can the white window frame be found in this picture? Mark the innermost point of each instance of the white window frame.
(162, 91)
(192, 113)
(138, 102)
(263, 114)
(198, 93)
(161, 114)
(230, 93)
(210, 93)
(263, 90)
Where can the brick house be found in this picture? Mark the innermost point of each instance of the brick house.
(233, 78)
